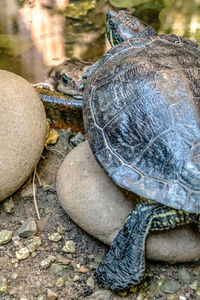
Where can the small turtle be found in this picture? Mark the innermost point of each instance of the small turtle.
(141, 110)
(65, 78)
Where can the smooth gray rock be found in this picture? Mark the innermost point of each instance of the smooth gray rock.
(97, 205)
(28, 228)
(22, 134)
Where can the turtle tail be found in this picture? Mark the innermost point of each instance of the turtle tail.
(124, 264)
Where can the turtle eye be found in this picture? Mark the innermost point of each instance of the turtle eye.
(65, 79)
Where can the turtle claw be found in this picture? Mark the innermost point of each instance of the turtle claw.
(124, 264)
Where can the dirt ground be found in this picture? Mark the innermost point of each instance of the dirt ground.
(69, 276)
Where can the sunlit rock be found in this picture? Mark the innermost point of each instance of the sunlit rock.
(97, 205)
(22, 131)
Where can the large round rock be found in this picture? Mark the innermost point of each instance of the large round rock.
(97, 205)
(22, 131)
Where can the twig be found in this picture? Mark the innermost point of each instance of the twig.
(38, 177)
(34, 194)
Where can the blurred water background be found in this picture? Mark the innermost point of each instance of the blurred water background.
(37, 34)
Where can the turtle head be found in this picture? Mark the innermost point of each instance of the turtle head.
(121, 26)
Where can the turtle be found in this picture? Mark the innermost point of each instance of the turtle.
(141, 112)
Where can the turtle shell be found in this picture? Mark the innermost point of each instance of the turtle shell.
(141, 113)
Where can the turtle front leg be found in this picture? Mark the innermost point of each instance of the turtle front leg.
(124, 264)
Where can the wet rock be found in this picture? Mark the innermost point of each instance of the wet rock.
(23, 131)
(69, 247)
(97, 205)
(22, 253)
(171, 287)
(3, 284)
(8, 205)
(55, 237)
(5, 236)
(101, 295)
(28, 228)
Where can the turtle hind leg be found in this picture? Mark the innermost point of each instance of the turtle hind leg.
(124, 264)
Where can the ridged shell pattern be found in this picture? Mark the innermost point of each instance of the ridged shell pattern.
(142, 117)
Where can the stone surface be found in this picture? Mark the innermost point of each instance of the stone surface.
(101, 295)
(23, 131)
(8, 205)
(184, 275)
(55, 237)
(171, 287)
(97, 205)
(69, 247)
(28, 228)
(22, 253)
(3, 284)
(5, 236)
(90, 282)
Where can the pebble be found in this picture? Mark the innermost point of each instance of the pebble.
(14, 276)
(76, 278)
(56, 268)
(23, 131)
(83, 269)
(42, 297)
(63, 260)
(194, 285)
(31, 248)
(34, 254)
(28, 228)
(55, 237)
(5, 236)
(182, 298)
(69, 247)
(60, 282)
(171, 287)
(51, 295)
(140, 297)
(101, 295)
(35, 240)
(45, 263)
(22, 253)
(14, 262)
(3, 284)
(61, 229)
(184, 275)
(18, 244)
(8, 205)
(83, 189)
(90, 282)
